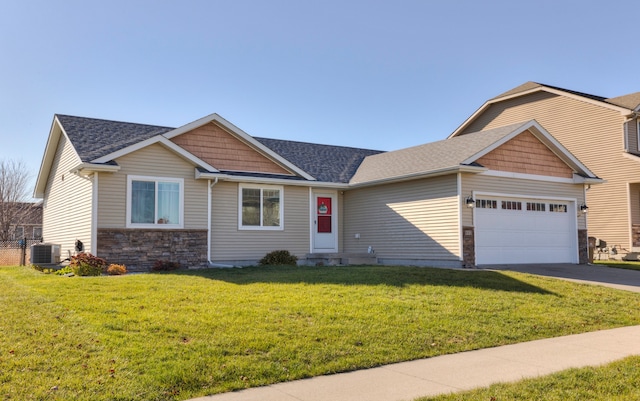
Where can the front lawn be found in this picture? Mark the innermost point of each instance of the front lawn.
(192, 333)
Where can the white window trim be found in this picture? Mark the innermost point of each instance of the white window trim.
(261, 188)
(180, 181)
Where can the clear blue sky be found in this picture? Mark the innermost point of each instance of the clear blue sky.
(376, 74)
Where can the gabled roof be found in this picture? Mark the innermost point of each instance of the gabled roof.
(454, 154)
(93, 138)
(626, 104)
(98, 142)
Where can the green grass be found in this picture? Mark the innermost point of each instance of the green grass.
(192, 333)
(619, 264)
(616, 381)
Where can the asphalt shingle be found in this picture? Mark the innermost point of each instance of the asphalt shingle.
(94, 138)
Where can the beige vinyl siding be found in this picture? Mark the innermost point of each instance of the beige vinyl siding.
(595, 135)
(415, 220)
(514, 186)
(152, 161)
(230, 244)
(67, 203)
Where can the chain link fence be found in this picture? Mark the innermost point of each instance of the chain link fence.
(16, 252)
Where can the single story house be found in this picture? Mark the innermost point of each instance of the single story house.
(210, 194)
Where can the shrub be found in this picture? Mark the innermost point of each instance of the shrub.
(279, 258)
(85, 264)
(116, 270)
(63, 271)
(165, 265)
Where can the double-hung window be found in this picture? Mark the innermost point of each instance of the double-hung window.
(260, 207)
(154, 202)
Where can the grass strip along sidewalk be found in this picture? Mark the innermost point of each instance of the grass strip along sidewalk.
(192, 333)
(619, 381)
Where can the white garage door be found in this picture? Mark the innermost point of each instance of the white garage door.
(515, 230)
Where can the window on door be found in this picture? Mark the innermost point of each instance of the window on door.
(324, 215)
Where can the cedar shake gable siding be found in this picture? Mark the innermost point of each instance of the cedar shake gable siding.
(526, 154)
(213, 144)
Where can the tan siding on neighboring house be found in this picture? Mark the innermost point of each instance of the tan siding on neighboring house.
(415, 220)
(230, 244)
(67, 203)
(152, 161)
(219, 148)
(595, 135)
(515, 186)
(526, 154)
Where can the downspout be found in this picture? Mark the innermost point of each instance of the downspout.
(460, 229)
(94, 216)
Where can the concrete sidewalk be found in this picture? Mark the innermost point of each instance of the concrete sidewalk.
(453, 373)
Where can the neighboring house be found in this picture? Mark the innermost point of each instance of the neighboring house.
(208, 193)
(601, 132)
(27, 222)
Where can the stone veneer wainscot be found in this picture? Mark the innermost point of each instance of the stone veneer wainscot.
(139, 249)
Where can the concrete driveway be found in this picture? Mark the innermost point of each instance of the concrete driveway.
(621, 279)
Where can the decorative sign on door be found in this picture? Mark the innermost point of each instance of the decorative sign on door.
(324, 215)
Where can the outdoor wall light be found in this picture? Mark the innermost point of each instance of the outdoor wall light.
(470, 202)
(584, 208)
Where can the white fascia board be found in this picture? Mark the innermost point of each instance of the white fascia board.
(187, 155)
(546, 138)
(199, 175)
(426, 174)
(127, 150)
(53, 141)
(557, 148)
(524, 126)
(83, 168)
(248, 139)
(153, 140)
(576, 179)
(533, 90)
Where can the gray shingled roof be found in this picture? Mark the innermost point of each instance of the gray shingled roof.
(431, 157)
(324, 162)
(94, 138)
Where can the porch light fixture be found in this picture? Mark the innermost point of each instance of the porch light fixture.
(584, 208)
(470, 202)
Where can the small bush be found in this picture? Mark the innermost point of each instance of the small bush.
(63, 271)
(279, 258)
(165, 265)
(116, 270)
(85, 264)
